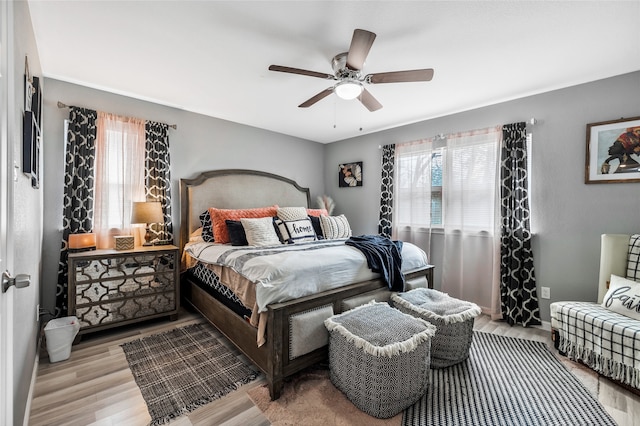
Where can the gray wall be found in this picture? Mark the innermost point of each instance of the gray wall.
(568, 215)
(200, 143)
(25, 217)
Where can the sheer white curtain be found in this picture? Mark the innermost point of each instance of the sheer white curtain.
(412, 193)
(448, 186)
(471, 217)
(119, 176)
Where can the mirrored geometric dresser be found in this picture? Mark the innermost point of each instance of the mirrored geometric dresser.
(109, 288)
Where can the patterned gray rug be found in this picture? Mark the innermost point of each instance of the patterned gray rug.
(507, 381)
(183, 369)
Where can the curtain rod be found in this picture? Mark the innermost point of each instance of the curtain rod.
(61, 105)
(532, 121)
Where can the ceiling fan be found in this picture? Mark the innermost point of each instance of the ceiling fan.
(347, 68)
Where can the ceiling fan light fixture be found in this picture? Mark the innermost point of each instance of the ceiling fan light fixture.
(349, 78)
(348, 89)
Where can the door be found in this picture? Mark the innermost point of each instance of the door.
(6, 184)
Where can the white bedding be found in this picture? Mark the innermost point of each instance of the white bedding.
(286, 272)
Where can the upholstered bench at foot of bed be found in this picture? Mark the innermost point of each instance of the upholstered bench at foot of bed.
(379, 358)
(452, 318)
(605, 341)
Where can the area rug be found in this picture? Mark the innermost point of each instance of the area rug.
(183, 369)
(310, 399)
(507, 381)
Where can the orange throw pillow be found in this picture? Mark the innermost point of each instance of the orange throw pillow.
(219, 216)
(317, 212)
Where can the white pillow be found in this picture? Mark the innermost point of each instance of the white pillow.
(296, 231)
(260, 232)
(335, 227)
(623, 297)
(292, 213)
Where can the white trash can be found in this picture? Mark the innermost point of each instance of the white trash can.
(60, 333)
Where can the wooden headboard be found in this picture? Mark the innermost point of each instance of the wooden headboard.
(234, 189)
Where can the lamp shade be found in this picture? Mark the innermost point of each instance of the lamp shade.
(82, 241)
(146, 212)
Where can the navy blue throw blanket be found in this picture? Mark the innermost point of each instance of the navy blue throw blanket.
(383, 256)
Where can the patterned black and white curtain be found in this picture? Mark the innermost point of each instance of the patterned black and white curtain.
(78, 209)
(78, 199)
(385, 223)
(519, 301)
(158, 177)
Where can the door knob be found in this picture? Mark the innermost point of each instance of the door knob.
(20, 281)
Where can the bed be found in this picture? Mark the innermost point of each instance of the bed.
(293, 334)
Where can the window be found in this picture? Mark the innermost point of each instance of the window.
(119, 174)
(413, 198)
(447, 182)
(470, 182)
(436, 188)
(420, 188)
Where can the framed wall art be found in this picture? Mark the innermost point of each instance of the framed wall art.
(28, 86)
(350, 174)
(31, 127)
(613, 151)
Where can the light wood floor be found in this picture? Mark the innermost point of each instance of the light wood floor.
(95, 386)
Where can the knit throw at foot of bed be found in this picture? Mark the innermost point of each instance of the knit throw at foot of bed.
(183, 369)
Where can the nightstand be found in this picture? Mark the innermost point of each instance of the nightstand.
(109, 288)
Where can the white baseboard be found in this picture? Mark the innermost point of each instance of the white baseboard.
(546, 325)
(32, 385)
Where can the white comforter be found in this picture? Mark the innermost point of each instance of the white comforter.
(286, 272)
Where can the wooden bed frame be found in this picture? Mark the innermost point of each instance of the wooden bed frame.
(234, 189)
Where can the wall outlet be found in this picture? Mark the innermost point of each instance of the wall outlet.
(545, 292)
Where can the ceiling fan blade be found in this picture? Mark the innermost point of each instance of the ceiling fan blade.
(290, 70)
(400, 76)
(369, 101)
(316, 98)
(360, 45)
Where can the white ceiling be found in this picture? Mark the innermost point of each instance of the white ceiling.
(211, 57)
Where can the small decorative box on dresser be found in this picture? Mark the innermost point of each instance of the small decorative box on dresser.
(109, 288)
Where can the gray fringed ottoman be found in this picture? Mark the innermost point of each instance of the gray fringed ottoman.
(453, 319)
(379, 357)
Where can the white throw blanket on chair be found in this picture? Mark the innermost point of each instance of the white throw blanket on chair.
(606, 341)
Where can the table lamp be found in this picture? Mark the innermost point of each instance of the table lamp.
(82, 242)
(147, 212)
